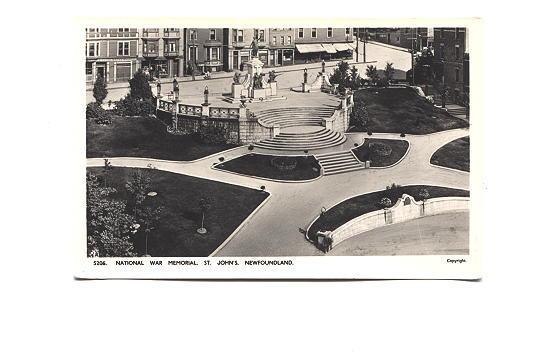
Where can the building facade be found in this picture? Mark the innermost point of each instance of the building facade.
(326, 43)
(281, 46)
(205, 49)
(111, 53)
(117, 53)
(451, 55)
(238, 46)
(161, 52)
(405, 37)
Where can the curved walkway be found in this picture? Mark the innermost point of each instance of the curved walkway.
(274, 230)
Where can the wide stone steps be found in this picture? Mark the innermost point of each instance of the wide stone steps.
(294, 116)
(338, 162)
(303, 141)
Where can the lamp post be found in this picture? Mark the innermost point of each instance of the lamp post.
(206, 96)
(176, 93)
(158, 88)
(147, 228)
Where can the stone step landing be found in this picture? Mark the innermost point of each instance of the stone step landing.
(338, 162)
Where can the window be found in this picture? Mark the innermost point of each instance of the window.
(456, 33)
(213, 54)
(171, 46)
(289, 40)
(88, 68)
(457, 74)
(192, 35)
(123, 48)
(442, 50)
(300, 33)
(407, 30)
(314, 32)
(212, 35)
(274, 40)
(348, 31)
(282, 40)
(238, 35)
(330, 32)
(457, 52)
(92, 49)
(261, 35)
(121, 30)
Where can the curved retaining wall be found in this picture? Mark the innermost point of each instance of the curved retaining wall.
(406, 208)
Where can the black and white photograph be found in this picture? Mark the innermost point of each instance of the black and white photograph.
(220, 142)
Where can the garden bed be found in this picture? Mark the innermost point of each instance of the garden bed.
(363, 204)
(179, 195)
(402, 110)
(145, 137)
(274, 167)
(381, 152)
(454, 155)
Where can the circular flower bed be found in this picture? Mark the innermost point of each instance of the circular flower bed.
(380, 149)
(284, 163)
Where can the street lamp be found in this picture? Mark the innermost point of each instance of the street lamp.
(206, 96)
(158, 88)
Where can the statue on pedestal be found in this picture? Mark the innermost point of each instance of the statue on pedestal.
(254, 48)
(237, 78)
(272, 76)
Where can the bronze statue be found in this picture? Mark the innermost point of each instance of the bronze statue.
(257, 81)
(272, 75)
(237, 78)
(254, 48)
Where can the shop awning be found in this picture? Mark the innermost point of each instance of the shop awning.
(309, 48)
(342, 47)
(329, 48)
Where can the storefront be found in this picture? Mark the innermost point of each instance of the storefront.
(281, 57)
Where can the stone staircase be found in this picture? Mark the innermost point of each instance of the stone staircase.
(338, 162)
(294, 116)
(457, 110)
(300, 141)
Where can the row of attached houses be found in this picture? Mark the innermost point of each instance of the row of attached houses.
(116, 53)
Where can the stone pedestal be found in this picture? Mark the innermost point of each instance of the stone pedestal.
(205, 110)
(258, 94)
(237, 91)
(273, 87)
(305, 87)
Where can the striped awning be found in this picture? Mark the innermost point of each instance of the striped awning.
(329, 48)
(309, 48)
(343, 46)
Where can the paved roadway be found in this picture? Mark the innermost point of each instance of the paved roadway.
(289, 76)
(273, 230)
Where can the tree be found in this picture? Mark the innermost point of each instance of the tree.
(139, 86)
(150, 217)
(341, 76)
(107, 168)
(99, 91)
(355, 81)
(389, 73)
(423, 195)
(385, 203)
(372, 74)
(205, 204)
(109, 227)
(138, 188)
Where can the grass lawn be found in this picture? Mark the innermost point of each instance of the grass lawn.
(402, 110)
(363, 204)
(455, 155)
(142, 137)
(176, 234)
(399, 148)
(261, 166)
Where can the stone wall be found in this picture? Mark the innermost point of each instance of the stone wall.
(406, 208)
(238, 128)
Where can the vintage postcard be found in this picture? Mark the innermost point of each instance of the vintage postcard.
(242, 149)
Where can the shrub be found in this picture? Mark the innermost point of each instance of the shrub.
(380, 149)
(97, 112)
(130, 106)
(393, 186)
(359, 116)
(402, 135)
(139, 86)
(221, 159)
(369, 133)
(284, 163)
(385, 202)
(99, 91)
(251, 147)
(212, 134)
